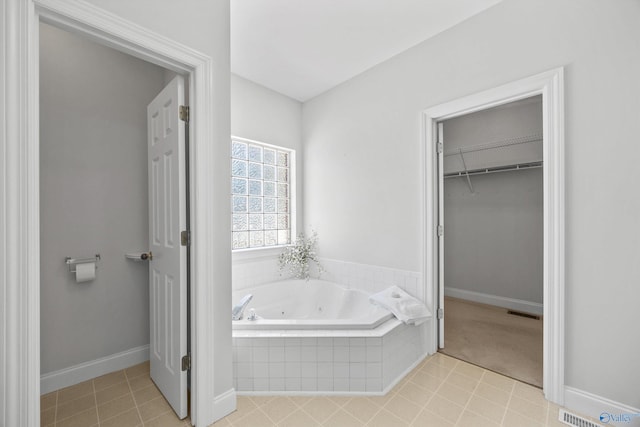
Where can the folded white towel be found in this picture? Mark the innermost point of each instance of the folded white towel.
(406, 308)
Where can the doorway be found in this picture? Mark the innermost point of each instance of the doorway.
(550, 86)
(96, 199)
(492, 202)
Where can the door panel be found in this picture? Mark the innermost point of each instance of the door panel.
(168, 265)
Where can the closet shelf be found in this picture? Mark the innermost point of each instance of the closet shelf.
(536, 137)
(483, 171)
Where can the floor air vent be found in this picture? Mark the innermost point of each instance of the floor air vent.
(575, 420)
(521, 314)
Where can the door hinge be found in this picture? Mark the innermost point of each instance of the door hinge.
(186, 362)
(185, 238)
(440, 230)
(184, 113)
(441, 313)
(440, 147)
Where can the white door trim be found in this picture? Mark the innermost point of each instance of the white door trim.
(550, 85)
(19, 196)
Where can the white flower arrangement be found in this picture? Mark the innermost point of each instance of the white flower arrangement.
(297, 256)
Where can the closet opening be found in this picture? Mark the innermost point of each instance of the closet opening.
(491, 245)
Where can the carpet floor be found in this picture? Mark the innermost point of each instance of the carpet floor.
(492, 338)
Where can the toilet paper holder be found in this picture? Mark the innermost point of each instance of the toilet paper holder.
(73, 261)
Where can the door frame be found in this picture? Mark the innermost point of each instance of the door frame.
(19, 196)
(550, 85)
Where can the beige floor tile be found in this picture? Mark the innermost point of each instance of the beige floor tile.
(402, 408)
(340, 400)
(385, 418)
(444, 408)
(380, 401)
(48, 416)
(426, 381)
(221, 423)
(140, 369)
(462, 381)
(146, 394)
(498, 381)
(153, 408)
(437, 371)
(255, 418)
(168, 419)
(113, 392)
(416, 394)
(299, 418)
(236, 415)
(427, 418)
(470, 419)
(279, 409)
(320, 409)
(512, 418)
(141, 381)
(361, 408)
(552, 416)
(108, 380)
(116, 406)
(487, 409)
(343, 419)
(469, 370)
(245, 404)
(83, 419)
(300, 400)
(533, 394)
(261, 401)
(444, 360)
(128, 418)
(75, 391)
(493, 394)
(48, 401)
(529, 409)
(74, 407)
(454, 394)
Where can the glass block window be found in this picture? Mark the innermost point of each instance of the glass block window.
(260, 194)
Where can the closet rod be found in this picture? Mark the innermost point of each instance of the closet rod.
(484, 171)
(496, 144)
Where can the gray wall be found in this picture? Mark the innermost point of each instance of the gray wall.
(362, 160)
(266, 116)
(493, 240)
(93, 195)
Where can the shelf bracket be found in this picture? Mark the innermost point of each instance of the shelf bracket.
(466, 171)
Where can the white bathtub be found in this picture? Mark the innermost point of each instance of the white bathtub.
(317, 337)
(313, 304)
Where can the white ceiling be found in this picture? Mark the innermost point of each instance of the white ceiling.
(302, 48)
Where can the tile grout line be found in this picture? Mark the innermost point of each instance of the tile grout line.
(513, 389)
(135, 402)
(471, 397)
(95, 399)
(55, 414)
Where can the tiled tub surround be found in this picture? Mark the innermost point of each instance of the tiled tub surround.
(255, 267)
(326, 362)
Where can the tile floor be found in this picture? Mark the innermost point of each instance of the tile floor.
(125, 398)
(441, 391)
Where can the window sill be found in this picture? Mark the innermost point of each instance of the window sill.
(256, 253)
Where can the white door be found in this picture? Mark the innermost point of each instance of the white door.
(440, 233)
(168, 264)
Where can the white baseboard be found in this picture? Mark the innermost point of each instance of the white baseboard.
(224, 404)
(509, 303)
(589, 404)
(94, 368)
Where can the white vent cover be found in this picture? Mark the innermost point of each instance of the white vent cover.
(575, 420)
